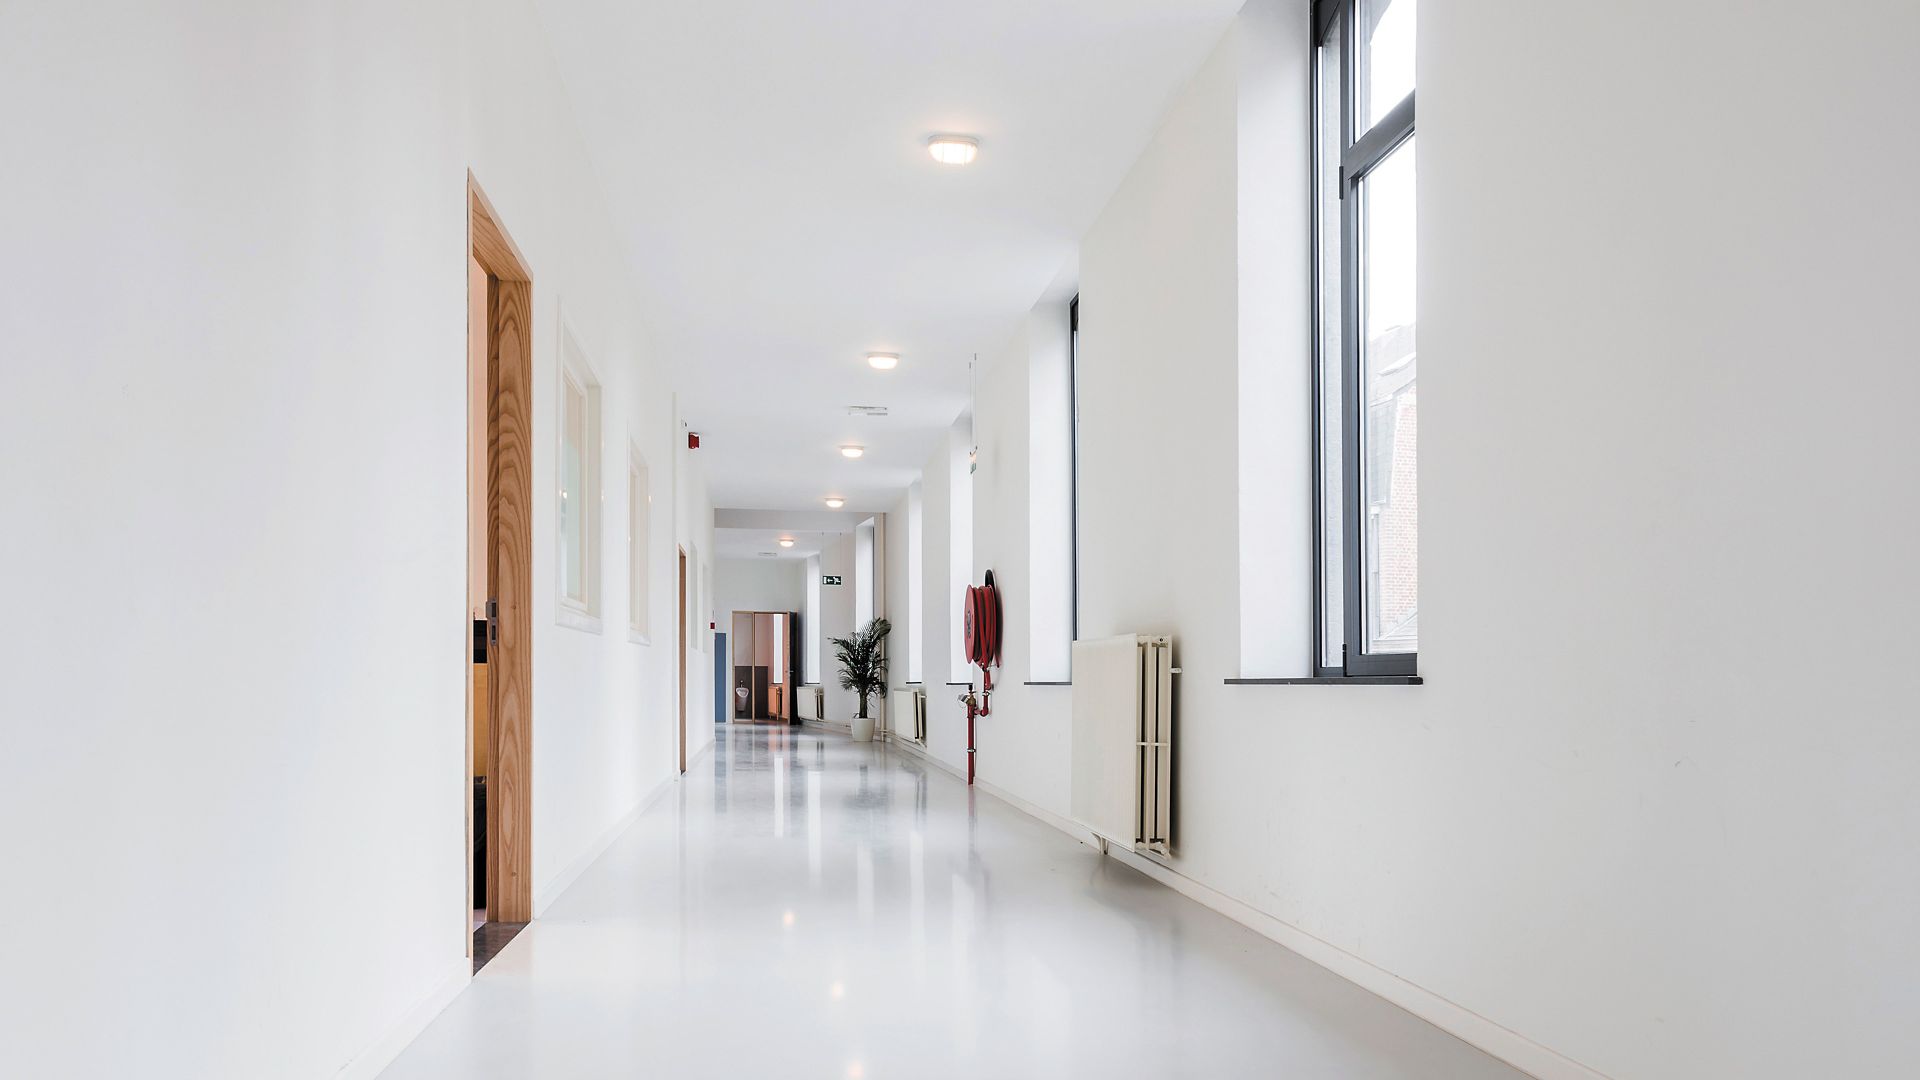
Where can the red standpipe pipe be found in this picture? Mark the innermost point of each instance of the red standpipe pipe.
(970, 716)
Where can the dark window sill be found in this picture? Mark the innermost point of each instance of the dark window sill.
(1048, 682)
(959, 684)
(1335, 680)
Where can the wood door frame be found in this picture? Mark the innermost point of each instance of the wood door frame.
(683, 658)
(509, 560)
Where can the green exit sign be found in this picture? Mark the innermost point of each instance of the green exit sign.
(829, 579)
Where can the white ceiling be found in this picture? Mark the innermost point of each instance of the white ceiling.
(759, 543)
(751, 534)
(766, 160)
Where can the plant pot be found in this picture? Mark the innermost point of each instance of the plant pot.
(863, 729)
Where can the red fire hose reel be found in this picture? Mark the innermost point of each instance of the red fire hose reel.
(982, 629)
(981, 638)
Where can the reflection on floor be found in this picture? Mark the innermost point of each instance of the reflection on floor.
(807, 906)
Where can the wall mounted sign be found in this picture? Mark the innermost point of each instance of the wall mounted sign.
(829, 579)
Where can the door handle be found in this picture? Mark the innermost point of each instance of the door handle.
(493, 626)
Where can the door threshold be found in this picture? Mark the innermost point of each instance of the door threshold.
(489, 939)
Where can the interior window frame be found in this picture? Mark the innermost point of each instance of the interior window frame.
(1361, 152)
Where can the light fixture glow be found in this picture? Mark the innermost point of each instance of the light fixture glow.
(852, 451)
(786, 541)
(953, 149)
(883, 361)
(835, 504)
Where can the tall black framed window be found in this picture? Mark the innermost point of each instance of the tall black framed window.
(1073, 463)
(1366, 414)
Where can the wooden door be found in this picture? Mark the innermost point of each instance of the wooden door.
(509, 563)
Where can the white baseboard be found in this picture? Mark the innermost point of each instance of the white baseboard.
(544, 896)
(371, 1061)
(1464, 1024)
(1085, 836)
(926, 755)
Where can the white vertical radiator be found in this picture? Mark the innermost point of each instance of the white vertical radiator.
(907, 715)
(1123, 740)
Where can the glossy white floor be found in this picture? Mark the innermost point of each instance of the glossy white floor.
(805, 906)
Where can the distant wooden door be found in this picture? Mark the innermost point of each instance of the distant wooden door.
(683, 660)
(509, 563)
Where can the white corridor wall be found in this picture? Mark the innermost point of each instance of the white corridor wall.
(1642, 820)
(758, 585)
(233, 432)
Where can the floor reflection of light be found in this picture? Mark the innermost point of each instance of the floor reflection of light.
(863, 868)
(779, 794)
(962, 926)
(962, 1020)
(917, 900)
(813, 828)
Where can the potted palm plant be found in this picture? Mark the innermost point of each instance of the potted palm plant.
(863, 669)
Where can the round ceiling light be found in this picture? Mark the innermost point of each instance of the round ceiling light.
(883, 361)
(954, 149)
(786, 541)
(852, 451)
(835, 504)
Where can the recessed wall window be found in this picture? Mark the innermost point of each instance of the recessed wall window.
(696, 603)
(959, 546)
(578, 530)
(1367, 419)
(810, 623)
(1051, 493)
(916, 587)
(639, 530)
(1073, 459)
(705, 634)
(863, 573)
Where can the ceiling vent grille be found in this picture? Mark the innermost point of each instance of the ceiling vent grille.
(866, 410)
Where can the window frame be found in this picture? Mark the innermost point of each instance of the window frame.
(960, 508)
(639, 546)
(696, 600)
(866, 559)
(1073, 474)
(576, 372)
(1360, 154)
(916, 583)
